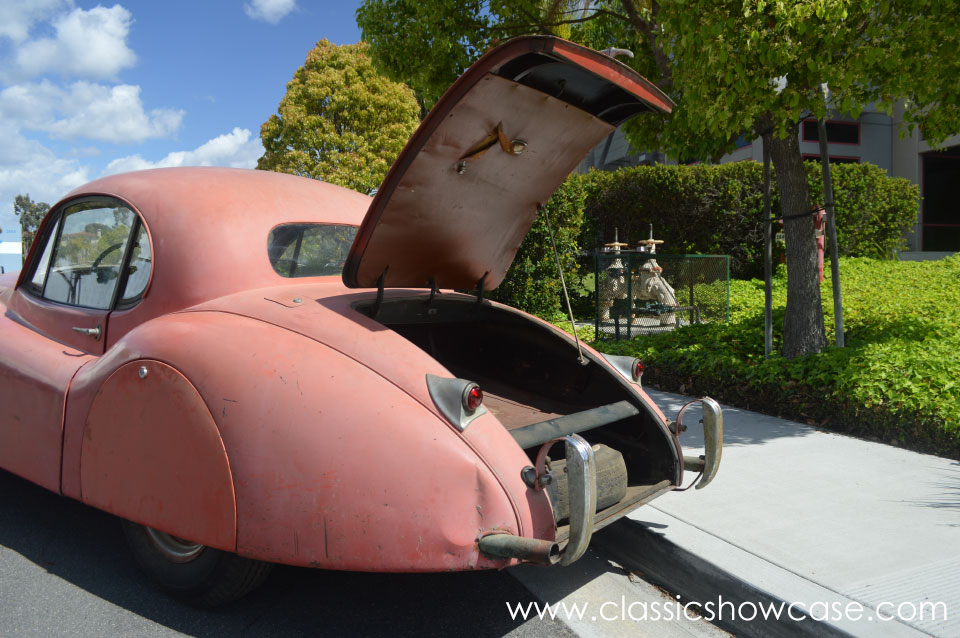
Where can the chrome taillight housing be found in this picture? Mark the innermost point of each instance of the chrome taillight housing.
(630, 367)
(458, 400)
(472, 398)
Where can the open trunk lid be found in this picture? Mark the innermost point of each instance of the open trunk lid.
(463, 193)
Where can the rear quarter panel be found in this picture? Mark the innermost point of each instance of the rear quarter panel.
(333, 465)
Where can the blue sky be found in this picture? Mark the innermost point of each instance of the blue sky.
(88, 89)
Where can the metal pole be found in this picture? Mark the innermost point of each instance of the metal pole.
(832, 229)
(767, 254)
(629, 294)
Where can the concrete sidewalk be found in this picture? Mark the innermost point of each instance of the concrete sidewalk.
(799, 515)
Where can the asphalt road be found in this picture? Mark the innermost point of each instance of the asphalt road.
(65, 571)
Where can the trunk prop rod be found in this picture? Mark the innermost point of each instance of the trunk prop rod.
(480, 288)
(563, 282)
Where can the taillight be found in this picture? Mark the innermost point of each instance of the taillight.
(637, 369)
(472, 398)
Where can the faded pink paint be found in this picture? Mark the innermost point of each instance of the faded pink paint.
(152, 454)
(305, 430)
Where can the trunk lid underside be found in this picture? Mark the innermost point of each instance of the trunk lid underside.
(462, 195)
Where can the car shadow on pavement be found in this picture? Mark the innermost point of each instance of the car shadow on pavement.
(97, 589)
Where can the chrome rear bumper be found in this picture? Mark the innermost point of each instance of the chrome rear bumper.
(582, 486)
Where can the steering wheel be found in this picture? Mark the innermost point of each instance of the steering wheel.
(109, 249)
(105, 276)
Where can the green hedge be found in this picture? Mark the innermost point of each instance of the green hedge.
(700, 209)
(714, 210)
(895, 381)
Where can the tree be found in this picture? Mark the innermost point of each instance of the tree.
(753, 67)
(340, 121)
(31, 214)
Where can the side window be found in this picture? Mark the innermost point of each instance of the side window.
(81, 261)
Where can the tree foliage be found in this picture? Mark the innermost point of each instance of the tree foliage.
(340, 121)
(752, 67)
(31, 213)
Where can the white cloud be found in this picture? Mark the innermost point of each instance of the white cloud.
(86, 110)
(26, 166)
(234, 149)
(17, 17)
(87, 44)
(272, 11)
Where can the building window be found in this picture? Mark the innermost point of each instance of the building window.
(837, 132)
(834, 159)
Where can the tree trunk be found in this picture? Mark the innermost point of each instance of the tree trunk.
(803, 331)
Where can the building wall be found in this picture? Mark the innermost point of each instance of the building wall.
(10, 249)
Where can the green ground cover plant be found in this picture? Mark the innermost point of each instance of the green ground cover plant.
(896, 380)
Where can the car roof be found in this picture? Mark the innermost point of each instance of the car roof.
(209, 226)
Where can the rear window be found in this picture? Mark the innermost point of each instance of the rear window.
(309, 250)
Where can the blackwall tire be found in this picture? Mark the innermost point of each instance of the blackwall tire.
(198, 575)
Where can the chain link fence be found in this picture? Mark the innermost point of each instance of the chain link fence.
(638, 292)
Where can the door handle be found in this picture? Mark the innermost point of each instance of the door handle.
(90, 332)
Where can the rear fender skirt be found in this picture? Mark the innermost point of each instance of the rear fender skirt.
(152, 454)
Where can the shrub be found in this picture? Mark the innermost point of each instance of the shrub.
(532, 282)
(873, 210)
(695, 209)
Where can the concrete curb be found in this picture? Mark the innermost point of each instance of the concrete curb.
(676, 569)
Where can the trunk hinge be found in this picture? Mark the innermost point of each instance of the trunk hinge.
(480, 287)
(434, 291)
(380, 285)
(563, 282)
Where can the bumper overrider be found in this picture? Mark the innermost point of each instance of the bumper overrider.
(582, 485)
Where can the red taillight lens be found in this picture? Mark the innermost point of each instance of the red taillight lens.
(472, 398)
(637, 369)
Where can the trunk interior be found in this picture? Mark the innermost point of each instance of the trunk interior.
(529, 375)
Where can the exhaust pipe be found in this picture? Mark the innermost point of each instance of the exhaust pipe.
(531, 550)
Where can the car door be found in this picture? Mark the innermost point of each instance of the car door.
(55, 322)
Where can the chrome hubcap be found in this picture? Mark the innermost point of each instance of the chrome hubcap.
(174, 549)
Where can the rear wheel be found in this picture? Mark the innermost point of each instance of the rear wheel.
(197, 574)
